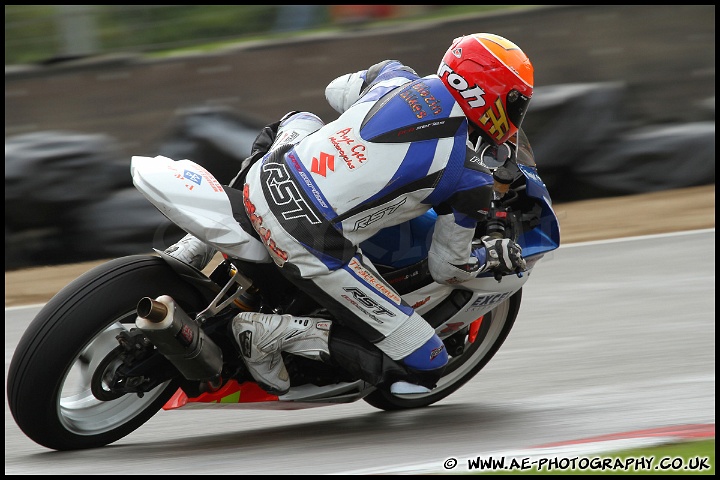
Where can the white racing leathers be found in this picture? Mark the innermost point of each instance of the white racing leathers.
(398, 148)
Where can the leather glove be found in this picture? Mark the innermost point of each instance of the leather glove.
(501, 254)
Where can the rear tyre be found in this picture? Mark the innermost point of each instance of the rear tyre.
(51, 373)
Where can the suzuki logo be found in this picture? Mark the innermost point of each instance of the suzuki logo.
(320, 166)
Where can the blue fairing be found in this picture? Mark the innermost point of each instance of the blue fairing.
(402, 245)
(545, 237)
(408, 243)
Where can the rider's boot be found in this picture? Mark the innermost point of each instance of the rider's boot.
(262, 338)
(192, 251)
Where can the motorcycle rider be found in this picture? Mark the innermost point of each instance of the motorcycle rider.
(313, 192)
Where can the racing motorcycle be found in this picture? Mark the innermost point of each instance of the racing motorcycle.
(147, 332)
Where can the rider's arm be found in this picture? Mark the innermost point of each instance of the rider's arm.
(450, 257)
(344, 91)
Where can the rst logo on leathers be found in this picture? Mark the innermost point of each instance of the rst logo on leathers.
(365, 300)
(378, 215)
(285, 193)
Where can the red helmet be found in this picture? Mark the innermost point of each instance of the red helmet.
(492, 80)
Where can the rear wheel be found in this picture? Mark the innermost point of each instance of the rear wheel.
(478, 351)
(63, 354)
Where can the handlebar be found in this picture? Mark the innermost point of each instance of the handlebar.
(497, 223)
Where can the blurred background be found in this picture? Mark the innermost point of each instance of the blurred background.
(624, 100)
(48, 34)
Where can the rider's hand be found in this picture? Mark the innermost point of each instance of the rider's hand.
(501, 254)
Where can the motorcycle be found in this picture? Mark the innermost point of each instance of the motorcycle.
(147, 332)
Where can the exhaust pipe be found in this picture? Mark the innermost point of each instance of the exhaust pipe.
(179, 338)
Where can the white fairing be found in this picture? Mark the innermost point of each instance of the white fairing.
(191, 197)
(487, 293)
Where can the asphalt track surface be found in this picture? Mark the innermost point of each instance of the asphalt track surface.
(612, 336)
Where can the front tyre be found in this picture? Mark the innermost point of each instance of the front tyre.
(50, 378)
(494, 329)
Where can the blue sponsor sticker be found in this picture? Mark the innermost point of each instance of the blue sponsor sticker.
(192, 176)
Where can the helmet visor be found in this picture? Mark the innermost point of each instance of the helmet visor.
(516, 104)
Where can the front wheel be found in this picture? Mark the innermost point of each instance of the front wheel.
(478, 351)
(53, 370)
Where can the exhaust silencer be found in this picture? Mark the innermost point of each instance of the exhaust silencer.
(179, 338)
